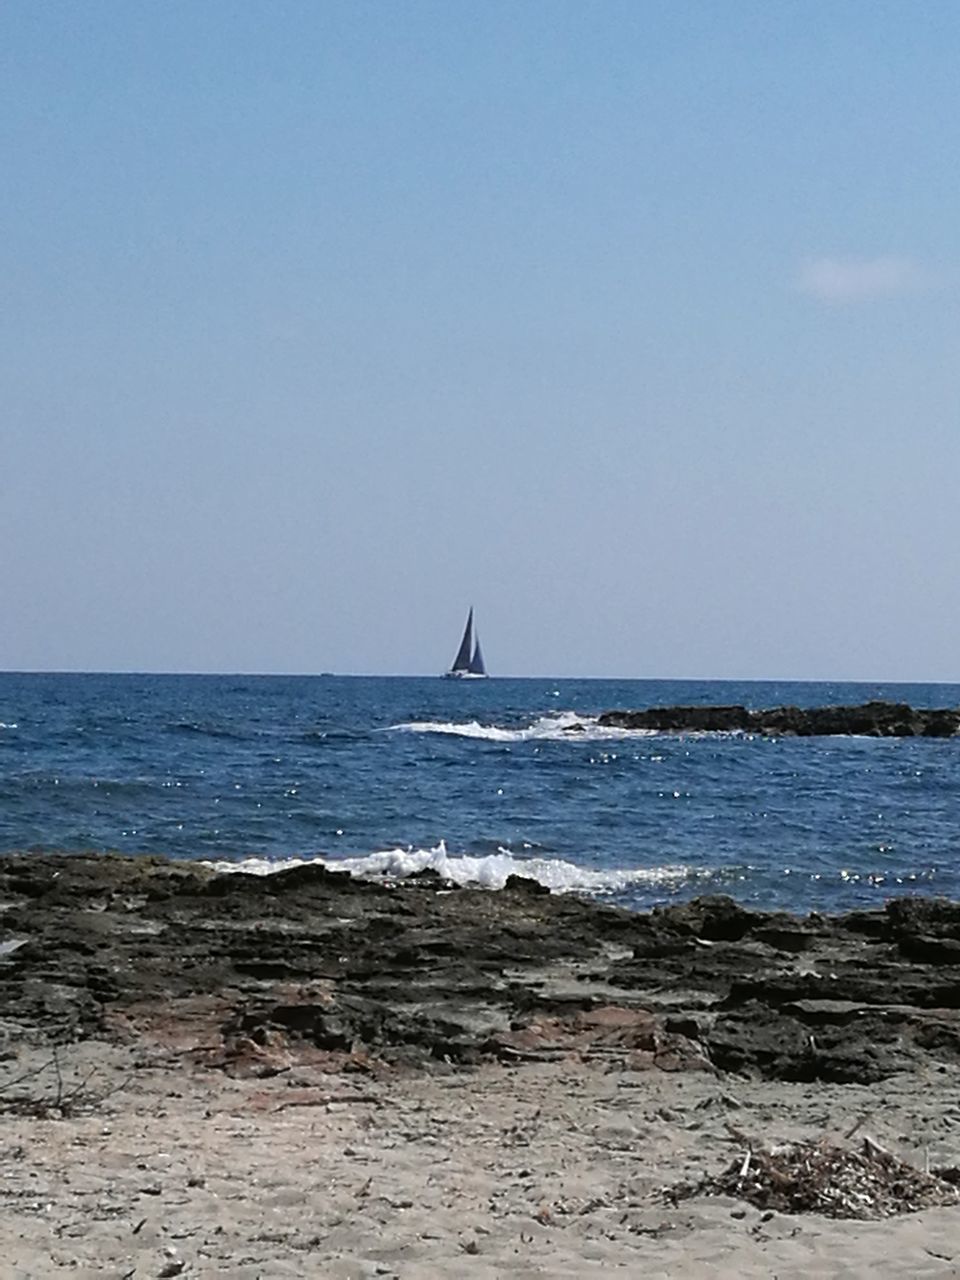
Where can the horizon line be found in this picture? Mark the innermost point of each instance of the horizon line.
(395, 675)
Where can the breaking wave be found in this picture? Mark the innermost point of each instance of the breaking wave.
(561, 726)
(490, 872)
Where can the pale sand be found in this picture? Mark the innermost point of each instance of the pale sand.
(541, 1170)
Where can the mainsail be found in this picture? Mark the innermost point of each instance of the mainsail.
(462, 661)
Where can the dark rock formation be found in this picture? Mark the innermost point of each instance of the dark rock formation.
(249, 972)
(871, 719)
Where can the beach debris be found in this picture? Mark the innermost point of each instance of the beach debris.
(822, 1176)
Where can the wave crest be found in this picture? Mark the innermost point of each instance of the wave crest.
(489, 872)
(559, 726)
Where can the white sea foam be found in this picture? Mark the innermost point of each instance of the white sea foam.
(490, 872)
(560, 726)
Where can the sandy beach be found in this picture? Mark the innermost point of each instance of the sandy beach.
(150, 1134)
(551, 1170)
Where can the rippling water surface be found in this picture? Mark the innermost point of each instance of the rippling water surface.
(480, 779)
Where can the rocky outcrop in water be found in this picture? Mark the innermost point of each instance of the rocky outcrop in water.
(253, 973)
(870, 719)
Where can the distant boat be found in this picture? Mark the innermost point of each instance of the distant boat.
(468, 664)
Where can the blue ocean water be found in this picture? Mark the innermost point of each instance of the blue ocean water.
(482, 778)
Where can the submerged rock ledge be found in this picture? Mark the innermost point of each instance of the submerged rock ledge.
(870, 719)
(253, 974)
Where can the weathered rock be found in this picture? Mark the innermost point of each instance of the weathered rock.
(524, 884)
(253, 972)
(871, 719)
(715, 918)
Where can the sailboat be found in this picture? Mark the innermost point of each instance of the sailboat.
(468, 664)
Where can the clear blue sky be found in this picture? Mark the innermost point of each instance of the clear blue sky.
(636, 325)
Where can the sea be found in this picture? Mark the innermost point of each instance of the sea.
(480, 780)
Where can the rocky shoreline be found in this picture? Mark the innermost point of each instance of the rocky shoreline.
(305, 1074)
(250, 973)
(869, 719)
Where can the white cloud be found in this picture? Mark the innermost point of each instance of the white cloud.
(845, 280)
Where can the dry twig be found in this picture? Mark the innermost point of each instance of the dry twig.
(65, 1099)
